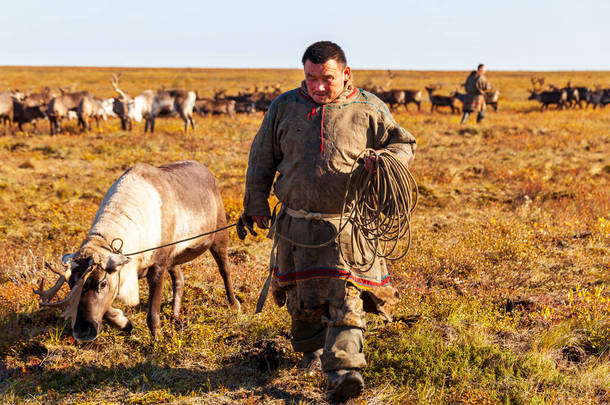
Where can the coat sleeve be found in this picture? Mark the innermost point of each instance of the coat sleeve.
(393, 138)
(262, 164)
(483, 85)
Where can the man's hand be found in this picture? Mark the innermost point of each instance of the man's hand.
(370, 163)
(247, 222)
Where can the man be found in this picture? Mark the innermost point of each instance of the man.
(311, 136)
(476, 87)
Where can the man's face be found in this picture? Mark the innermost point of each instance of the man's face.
(481, 70)
(325, 81)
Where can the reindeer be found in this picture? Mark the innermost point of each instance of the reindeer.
(442, 101)
(170, 102)
(146, 207)
(6, 109)
(60, 106)
(491, 98)
(546, 98)
(573, 94)
(127, 108)
(412, 96)
(205, 106)
(392, 97)
(90, 108)
(600, 97)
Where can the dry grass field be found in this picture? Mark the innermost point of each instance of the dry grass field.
(505, 292)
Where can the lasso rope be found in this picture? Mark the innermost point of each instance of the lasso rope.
(380, 213)
(378, 204)
(119, 249)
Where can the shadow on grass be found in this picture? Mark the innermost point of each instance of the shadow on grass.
(143, 378)
(19, 330)
(250, 371)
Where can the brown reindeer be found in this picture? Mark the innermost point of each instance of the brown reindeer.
(442, 101)
(60, 106)
(559, 97)
(89, 109)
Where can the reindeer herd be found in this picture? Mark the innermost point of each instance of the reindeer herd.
(17, 107)
(569, 96)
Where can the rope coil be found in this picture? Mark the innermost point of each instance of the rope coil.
(380, 212)
(378, 204)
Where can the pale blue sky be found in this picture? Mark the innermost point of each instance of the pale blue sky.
(433, 34)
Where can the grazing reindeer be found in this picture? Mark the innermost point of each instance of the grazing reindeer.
(442, 101)
(546, 98)
(90, 108)
(146, 207)
(205, 106)
(60, 106)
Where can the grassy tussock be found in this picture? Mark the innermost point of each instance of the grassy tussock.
(504, 294)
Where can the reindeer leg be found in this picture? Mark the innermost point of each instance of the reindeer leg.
(219, 252)
(154, 277)
(118, 319)
(178, 290)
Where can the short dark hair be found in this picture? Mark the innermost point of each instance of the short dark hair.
(322, 52)
(480, 66)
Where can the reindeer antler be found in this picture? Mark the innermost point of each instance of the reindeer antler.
(47, 295)
(115, 83)
(71, 299)
(537, 82)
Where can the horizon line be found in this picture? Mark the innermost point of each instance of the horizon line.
(294, 68)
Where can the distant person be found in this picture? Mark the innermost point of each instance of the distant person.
(312, 136)
(476, 86)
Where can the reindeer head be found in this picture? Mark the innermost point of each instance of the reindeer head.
(537, 83)
(94, 281)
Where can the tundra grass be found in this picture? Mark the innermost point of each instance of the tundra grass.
(504, 294)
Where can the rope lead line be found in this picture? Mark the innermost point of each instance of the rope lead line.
(119, 249)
